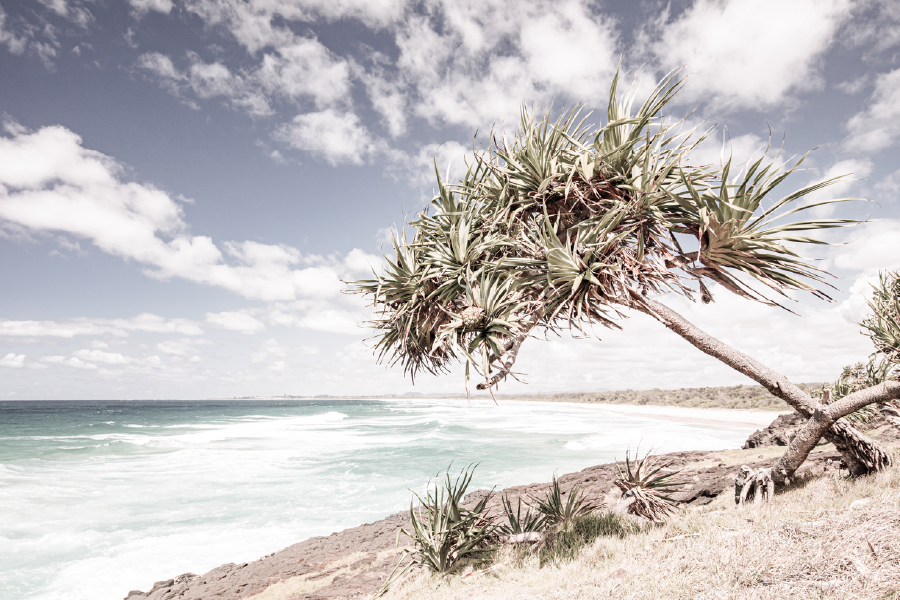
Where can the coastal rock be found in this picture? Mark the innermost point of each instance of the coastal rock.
(778, 433)
(784, 428)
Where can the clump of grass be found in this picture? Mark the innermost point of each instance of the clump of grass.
(565, 544)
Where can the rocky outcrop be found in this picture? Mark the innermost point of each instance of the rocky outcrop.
(785, 426)
(778, 433)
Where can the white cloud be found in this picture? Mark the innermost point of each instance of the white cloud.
(181, 347)
(268, 348)
(875, 27)
(14, 42)
(338, 137)
(236, 321)
(305, 69)
(890, 185)
(110, 358)
(172, 347)
(874, 246)
(451, 158)
(70, 10)
(747, 53)
(466, 62)
(475, 62)
(142, 7)
(22, 36)
(255, 23)
(569, 49)
(878, 126)
(299, 69)
(854, 170)
(388, 99)
(70, 362)
(12, 360)
(205, 80)
(50, 183)
(333, 320)
(161, 66)
(359, 262)
(741, 149)
(854, 86)
(83, 326)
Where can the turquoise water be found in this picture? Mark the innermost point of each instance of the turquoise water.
(100, 497)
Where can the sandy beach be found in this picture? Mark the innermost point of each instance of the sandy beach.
(754, 418)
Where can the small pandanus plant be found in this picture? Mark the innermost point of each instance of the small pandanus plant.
(646, 488)
(520, 527)
(444, 532)
(562, 513)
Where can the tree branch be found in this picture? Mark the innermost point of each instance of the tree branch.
(775, 382)
(861, 454)
(883, 392)
(508, 359)
(822, 421)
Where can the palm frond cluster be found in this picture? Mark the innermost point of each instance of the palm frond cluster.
(444, 532)
(883, 325)
(646, 487)
(562, 224)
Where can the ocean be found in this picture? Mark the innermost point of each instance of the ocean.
(101, 497)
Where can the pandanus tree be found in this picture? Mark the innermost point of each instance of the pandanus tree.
(564, 226)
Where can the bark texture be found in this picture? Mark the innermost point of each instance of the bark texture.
(865, 455)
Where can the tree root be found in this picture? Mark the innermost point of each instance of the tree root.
(757, 485)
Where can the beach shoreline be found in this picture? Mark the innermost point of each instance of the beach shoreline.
(681, 414)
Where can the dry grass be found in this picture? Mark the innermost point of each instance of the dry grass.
(825, 538)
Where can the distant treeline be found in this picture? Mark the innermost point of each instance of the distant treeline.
(737, 396)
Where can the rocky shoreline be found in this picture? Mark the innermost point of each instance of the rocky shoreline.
(354, 563)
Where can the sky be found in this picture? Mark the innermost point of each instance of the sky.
(185, 185)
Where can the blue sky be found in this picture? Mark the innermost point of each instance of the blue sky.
(185, 184)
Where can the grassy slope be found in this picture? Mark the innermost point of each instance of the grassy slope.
(826, 537)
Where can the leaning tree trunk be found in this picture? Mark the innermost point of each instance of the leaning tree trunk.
(861, 454)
